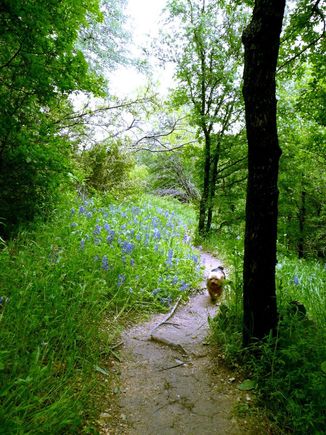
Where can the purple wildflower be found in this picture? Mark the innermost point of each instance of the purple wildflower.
(82, 209)
(157, 234)
(97, 230)
(105, 263)
(82, 244)
(183, 286)
(296, 280)
(170, 257)
(195, 259)
(121, 279)
(73, 225)
(127, 247)
(132, 262)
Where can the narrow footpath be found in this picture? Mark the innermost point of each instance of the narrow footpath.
(170, 383)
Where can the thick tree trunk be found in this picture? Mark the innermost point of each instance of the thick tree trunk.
(261, 40)
(205, 190)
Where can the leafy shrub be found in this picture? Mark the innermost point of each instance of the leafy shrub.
(107, 168)
(29, 180)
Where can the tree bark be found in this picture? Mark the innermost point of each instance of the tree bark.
(212, 184)
(261, 41)
(205, 190)
(302, 220)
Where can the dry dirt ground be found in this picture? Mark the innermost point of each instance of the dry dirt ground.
(169, 383)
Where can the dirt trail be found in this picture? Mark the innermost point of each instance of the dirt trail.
(170, 384)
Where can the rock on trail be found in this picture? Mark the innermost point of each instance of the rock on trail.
(169, 382)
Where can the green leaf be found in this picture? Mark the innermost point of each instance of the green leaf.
(247, 385)
(323, 366)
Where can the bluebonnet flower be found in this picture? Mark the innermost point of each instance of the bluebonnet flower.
(121, 279)
(183, 286)
(89, 214)
(107, 227)
(138, 237)
(296, 280)
(123, 227)
(195, 259)
(156, 291)
(166, 301)
(105, 263)
(186, 238)
(73, 225)
(73, 211)
(127, 247)
(146, 239)
(156, 248)
(123, 214)
(155, 221)
(132, 262)
(157, 234)
(135, 210)
(82, 209)
(175, 280)
(110, 237)
(170, 257)
(97, 241)
(97, 230)
(82, 244)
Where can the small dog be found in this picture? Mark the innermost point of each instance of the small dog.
(215, 282)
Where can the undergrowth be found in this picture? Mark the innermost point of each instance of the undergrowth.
(289, 370)
(93, 261)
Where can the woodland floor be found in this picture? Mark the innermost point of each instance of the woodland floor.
(169, 382)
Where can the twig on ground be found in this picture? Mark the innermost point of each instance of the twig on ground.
(167, 317)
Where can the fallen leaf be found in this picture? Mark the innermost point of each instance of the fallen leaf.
(247, 385)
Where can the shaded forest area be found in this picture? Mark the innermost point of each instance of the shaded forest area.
(104, 200)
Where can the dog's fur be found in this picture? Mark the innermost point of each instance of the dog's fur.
(215, 282)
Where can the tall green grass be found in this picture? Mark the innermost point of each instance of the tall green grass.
(57, 284)
(289, 369)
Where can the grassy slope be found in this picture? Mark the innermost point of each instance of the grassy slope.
(93, 260)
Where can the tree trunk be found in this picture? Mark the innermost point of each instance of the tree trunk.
(212, 185)
(302, 218)
(261, 41)
(205, 191)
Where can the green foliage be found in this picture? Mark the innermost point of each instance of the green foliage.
(107, 168)
(288, 368)
(61, 282)
(39, 68)
(302, 179)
